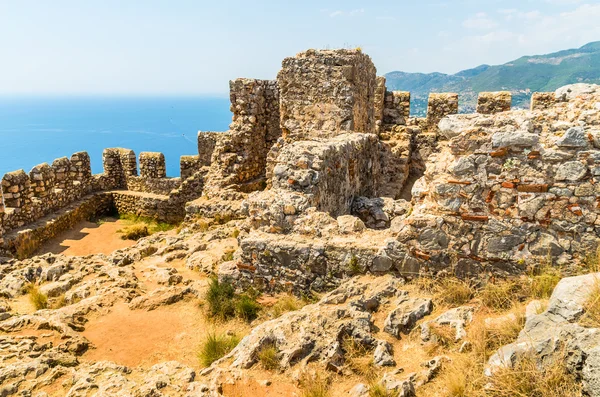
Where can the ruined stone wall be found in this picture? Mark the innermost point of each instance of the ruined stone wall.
(517, 183)
(239, 156)
(341, 86)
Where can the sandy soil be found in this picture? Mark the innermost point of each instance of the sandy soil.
(88, 238)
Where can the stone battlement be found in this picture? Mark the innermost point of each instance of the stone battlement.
(325, 136)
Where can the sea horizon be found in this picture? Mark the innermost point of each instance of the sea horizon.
(39, 128)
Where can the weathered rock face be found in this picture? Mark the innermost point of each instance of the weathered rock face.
(341, 87)
(556, 332)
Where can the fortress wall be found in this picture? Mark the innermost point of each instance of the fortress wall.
(325, 93)
(396, 108)
(542, 100)
(189, 165)
(16, 191)
(81, 171)
(1, 219)
(240, 155)
(206, 146)
(440, 106)
(326, 175)
(379, 102)
(494, 102)
(152, 165)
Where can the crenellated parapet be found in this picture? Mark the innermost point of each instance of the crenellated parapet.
(494, 102)
(152, 165)
(439, 106)
(542, 100)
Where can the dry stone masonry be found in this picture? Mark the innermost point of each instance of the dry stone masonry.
(333, 177)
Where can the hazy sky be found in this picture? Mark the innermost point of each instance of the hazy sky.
(195, 47)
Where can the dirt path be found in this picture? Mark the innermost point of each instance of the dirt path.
(88, 238)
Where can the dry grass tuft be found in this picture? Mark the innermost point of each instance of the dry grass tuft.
(379, 390)
(358, 358)
(454, 292)
(216, 347)
(543, 284)
(500, 296)
(267, 356)
(591, 317)
(528, 378)
(287, 303)
(139, 226)
(38, 299)
(314, 384)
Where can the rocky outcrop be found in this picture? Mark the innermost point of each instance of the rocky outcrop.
(556, 332)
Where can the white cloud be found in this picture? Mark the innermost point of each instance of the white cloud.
(351, 13)
(479, 21)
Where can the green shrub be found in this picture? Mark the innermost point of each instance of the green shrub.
(220, 298)
(215, 347)
(223, 303)
(246, 308)
(268, 356)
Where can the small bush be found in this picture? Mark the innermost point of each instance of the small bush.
(246, 308)
(220, 298)
(36, 297)
(314, 385)
(268, 357)
(223, 303)
(235, 233)
(216, 347)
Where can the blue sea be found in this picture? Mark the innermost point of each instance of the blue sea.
(38, 130)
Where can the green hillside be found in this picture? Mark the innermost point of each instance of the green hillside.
(522, 77)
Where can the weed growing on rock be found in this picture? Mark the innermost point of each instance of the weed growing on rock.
(357, 356)
(228, 256)
(267, 356)
(215, 347)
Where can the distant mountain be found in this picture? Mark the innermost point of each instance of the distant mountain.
(522, 77)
